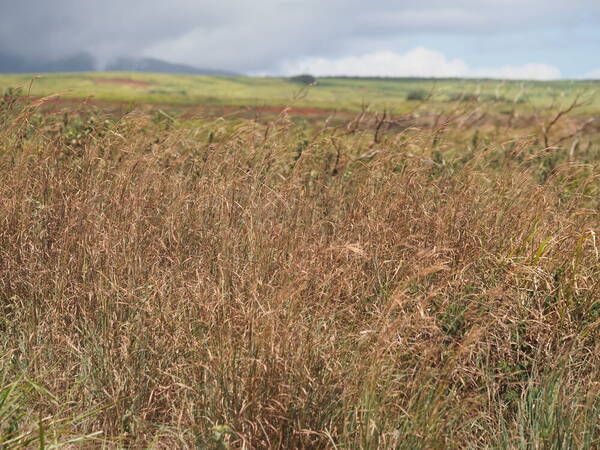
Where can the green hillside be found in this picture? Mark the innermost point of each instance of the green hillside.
(328, 93)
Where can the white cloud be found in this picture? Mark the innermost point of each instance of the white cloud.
(419, 62)
(592, 75)
(257, 36)
(531, 71)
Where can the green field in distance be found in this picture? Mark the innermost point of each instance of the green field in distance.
(397, 95)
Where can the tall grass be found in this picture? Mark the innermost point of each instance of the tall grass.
(233, 284)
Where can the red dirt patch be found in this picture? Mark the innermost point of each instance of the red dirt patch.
(122, 82)
(294, 110)
(188, 111)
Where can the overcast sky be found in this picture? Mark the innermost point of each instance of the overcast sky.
(497, 38)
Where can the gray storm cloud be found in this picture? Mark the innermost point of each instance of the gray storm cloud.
(260, 35)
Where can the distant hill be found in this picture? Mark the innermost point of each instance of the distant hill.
(84, 62)
(154, 65)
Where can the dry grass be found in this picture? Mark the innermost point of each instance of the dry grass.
(236, 284)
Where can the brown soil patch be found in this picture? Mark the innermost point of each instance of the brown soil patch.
(58, 103)
(122, 82)
(294, 110)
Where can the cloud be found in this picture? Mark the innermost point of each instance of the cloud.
(419, 62)
(591, 75)
(257, 36)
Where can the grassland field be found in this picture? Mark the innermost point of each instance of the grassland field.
(328, 93)
(423, 274)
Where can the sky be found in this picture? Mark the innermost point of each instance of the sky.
(530, 39)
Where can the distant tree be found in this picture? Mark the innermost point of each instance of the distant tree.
(303, 79)
(417, 94)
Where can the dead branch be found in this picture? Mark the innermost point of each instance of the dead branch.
(576, 103)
